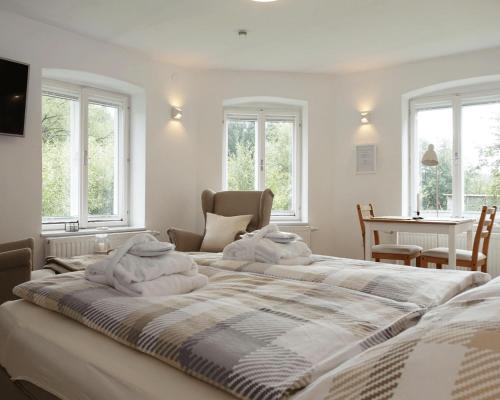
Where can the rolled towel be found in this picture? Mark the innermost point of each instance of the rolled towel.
(283, 237)
(165, 286)
(151, 249)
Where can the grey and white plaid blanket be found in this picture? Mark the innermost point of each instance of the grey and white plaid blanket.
(255, 336)
(453, 353)
(422, 286)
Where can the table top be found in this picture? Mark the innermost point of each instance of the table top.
(409, 220)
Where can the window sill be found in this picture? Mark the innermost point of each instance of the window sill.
(91, 231)
(288, 222)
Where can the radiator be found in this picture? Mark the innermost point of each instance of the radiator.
(70, 246)
(304, 231)
(428, 241)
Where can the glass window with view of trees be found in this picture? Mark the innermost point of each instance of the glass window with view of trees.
(261, 153)
(70, 157)
(477, 165)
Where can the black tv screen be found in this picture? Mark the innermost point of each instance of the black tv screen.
(13, 94)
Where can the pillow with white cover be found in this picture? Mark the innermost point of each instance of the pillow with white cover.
(220, 231)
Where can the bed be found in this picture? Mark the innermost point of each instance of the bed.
(256, 331)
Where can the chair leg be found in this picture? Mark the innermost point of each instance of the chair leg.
(439, 266)
(418, 261)
(484, 267)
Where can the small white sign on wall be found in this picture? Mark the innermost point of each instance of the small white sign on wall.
(366, 159)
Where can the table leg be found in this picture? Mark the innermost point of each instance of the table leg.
(368, 241)
(469, 239)
(452, 247)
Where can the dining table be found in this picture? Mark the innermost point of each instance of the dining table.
(444, 226)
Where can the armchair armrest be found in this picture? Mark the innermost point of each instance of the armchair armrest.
(15, 268)
(185, 240)
(17, 245)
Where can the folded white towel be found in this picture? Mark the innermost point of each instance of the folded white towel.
(134, 275)
(273, 233)
(165, 285)
(261, 249)
(132, 269)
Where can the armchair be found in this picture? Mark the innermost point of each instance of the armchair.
(228, 204)
(16, 261)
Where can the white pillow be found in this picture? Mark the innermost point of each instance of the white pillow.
(220, 231)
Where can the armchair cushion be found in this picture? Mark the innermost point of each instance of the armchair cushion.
(220, 231)
(227, 204)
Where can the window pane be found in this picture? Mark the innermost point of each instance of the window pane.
(59, 157)
(102, 160)
(481, 155)
(241, 154)
(435, 126)
(279, 164)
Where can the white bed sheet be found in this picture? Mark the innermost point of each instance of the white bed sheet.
(74, 362)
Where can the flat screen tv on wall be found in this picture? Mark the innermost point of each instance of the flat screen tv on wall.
(13, 95)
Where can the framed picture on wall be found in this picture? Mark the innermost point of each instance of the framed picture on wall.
(366, 159)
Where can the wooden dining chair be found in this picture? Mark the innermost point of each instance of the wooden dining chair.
(400, 252)
(474, 258)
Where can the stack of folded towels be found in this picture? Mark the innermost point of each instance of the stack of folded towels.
(144, 266)
(269, 245)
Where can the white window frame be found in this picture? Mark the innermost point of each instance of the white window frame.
(262, 114)
(455, 101)
(86, 95)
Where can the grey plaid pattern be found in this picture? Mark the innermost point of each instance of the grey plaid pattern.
(453, 353)
(255, 336)
(422, 286)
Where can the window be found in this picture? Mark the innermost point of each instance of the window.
(262, 150)
(84, 156)
(465, 130)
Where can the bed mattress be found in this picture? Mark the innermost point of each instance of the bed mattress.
(76, 363)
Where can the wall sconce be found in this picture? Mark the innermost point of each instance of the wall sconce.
(365, 117)
(176, 113)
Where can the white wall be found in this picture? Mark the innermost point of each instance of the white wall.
(170, 146)
(335, 103)
(183, 159)
(217, 86)
(381, 91)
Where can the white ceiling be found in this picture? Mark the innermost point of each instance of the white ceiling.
(287, 35)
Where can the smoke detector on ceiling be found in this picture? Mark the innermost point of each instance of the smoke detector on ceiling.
(242, 33)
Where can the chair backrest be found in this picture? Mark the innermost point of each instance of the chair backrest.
(484, 231)
(366, 211)
(231, 203)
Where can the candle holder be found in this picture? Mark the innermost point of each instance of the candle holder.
(102, 243)
(418, 217)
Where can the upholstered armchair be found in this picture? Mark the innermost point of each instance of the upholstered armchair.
(227, 204)
(16, 261)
